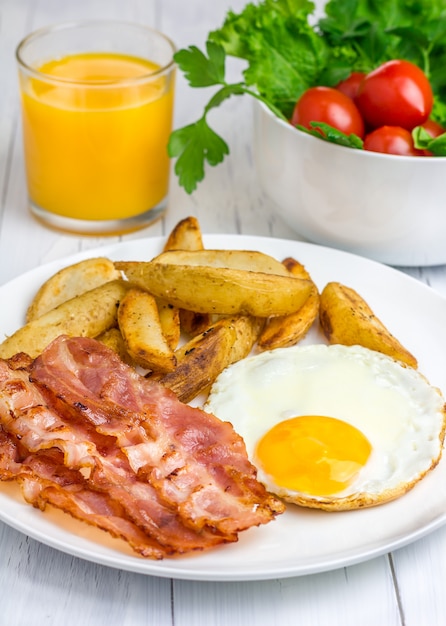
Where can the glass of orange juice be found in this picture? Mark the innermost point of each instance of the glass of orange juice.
(97, 107)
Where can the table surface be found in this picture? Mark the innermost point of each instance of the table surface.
(43, 586)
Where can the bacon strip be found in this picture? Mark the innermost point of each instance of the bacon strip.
(45, 480)
(9, 458)
(195, 461)
(24, 413)
(82, 431)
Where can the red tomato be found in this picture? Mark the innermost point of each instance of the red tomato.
(391, 140)
(433, 128)
(397, 93)
(328, 105)
(350, 85)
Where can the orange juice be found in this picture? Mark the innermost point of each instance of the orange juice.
(96, 128)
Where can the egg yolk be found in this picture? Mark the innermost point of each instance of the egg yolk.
(313, 454)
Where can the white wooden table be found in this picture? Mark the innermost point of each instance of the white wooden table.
(39, 585)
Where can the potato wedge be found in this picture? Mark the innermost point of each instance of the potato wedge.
(248, 329)
(69, 282)
(140, 325)
(295, 268)
(201, 360)
(86, 315)
(347, 319)
(186, 235)
(193, 323)
(170, 322)
(248, 260)
(287, 330)
(219, 289)
(113, 339)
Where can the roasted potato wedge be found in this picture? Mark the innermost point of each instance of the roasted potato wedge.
(186, 235)
(248, 260)
(170, 322)
(86, 315)
(113, 339)
(200, 360)
(248, 329)
(295, 268)
(287, 330)
(69, 282)
(218, 289)
(347, 319)
(140, 325)
(193, 323)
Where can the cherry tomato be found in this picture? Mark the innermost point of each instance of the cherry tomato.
(391, 140)
(433, 128)
(328, 105)
(397, 93)
(350, 85)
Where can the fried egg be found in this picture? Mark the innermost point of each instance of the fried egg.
(332, 427)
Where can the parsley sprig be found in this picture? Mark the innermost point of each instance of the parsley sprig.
(197, 143)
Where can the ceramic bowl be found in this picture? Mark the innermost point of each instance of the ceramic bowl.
(384, 207)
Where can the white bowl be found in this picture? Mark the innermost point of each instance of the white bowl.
(385, 207)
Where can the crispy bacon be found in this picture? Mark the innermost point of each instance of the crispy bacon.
(45, 479)
(86, 433)
(9, 457)
(24, 413)
(195, 461)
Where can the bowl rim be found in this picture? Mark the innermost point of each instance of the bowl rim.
(369, 154)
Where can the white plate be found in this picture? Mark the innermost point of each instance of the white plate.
(299, 541)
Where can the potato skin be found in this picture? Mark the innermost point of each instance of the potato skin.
(202, 358)
(186, 235)
(113, 339)
(287, 330)
(248, 329)
(86, 315)
(248, 260)
(140, 325)
(169, 317)
(347, 319)
(70, 282)
(200, 361)
(220, 290)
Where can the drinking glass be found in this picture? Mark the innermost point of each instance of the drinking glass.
(97, 107)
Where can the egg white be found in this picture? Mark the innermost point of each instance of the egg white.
(393, 405)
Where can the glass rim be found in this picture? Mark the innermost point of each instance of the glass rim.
(73, 82)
